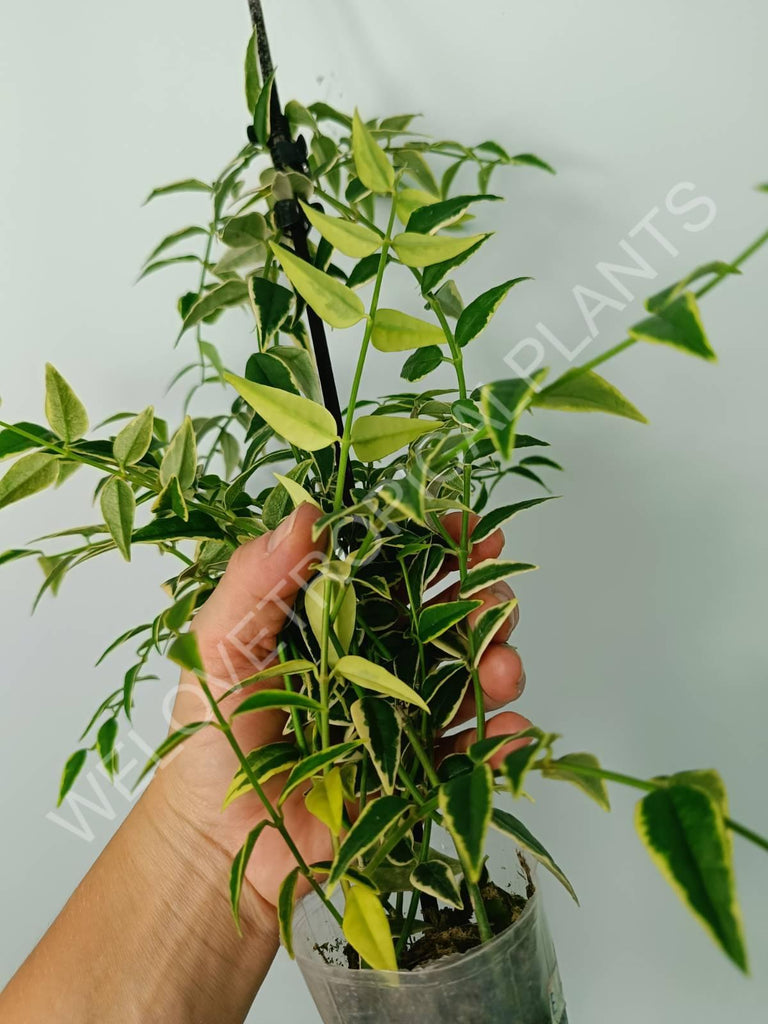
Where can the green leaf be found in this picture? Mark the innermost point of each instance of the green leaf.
(684, 831)
(466, 802)
(105, 744)
(421, 362)
(515, 829)
(294, 666)
(170, 743)
(435, 619)
(433, 275)
(378, 725)
(487, 624)
(450, 299)
(418, 169)
(187, 185)
(268, 700)
(437, 879)
(378, 815)
(677, 324)
(333, 302)
(199, 526)
(363, 271)
(366, 928)
(118, 506)
(285, 900)
(394, 331)
(315, 763)
(28, 475)
(493, 520)
(501, 404)
(245, 231)
(486, 573)
(230, 293)
(277, 503)
(371, 162)
(184, 651)
(417, 250)
(478, 313)
(301, 368)
(586, 392)
(408, 200)
(374, 677)
(592, 785)
(237, 872)
(262, 111)
(325, 800)
(264, 762)
(344, 623)
(252, 76)
(171, 499)
(428, 219)
(299, 420)
(707, 779)
(180, 459)
(63, 409)
(173, 239)
(12, 443)
(72, 769)
(296, 492)
(375, 437)
(349, 237)
(531, 160)
(271, 304)
(133, 441)
(656, 303)
(516, 766)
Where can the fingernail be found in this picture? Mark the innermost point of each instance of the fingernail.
(284, 530)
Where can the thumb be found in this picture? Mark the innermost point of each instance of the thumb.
(237, 628)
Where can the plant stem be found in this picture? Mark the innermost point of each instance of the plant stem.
(458, 362)
(274, 814)
(346, 437)
(648, 786)
(420, 753)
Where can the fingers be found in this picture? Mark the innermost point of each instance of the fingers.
(489, 547)
(500, 725)
(502, 680)
(238, 626)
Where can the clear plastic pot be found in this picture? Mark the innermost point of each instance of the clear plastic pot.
(513, 979)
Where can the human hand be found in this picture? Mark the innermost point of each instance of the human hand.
(237, 632)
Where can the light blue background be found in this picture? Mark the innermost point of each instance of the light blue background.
(644, 632)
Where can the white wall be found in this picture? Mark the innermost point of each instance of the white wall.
(643, 634)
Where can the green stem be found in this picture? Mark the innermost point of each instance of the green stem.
(346, 436)
(648, 786)
(420, 753)
(629, 342)
(458, 362)
(274, 814)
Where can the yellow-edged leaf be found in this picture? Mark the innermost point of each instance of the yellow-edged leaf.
(366, 928)
(417, 250)
(373, 677)
(297, 494)
(338, 305)
(375, 437)
(394, 331)
(344, 623)
(355, 240)
(371, 162)
(299, 420)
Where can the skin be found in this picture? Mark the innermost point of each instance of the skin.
(148, 935)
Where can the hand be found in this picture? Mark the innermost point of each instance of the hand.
(237, 630)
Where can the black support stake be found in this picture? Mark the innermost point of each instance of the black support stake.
(291, 154)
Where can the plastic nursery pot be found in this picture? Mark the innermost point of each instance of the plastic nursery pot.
(513, 979)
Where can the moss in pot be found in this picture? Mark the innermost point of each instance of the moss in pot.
(382, 653)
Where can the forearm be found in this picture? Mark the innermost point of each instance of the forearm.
(148, 935)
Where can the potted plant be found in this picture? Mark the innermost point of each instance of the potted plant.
(408, 916)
